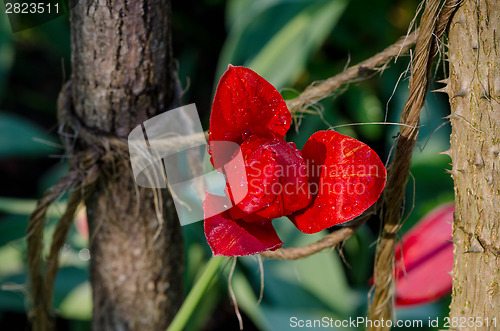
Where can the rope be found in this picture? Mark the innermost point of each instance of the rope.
(432, 27)
(377, 63)
(85, 168)
(329, 241)
(93, 153)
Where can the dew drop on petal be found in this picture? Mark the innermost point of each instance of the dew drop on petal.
(245, 135)
(259, 194)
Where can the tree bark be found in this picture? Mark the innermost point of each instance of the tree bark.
(122, 75)
(474, 90)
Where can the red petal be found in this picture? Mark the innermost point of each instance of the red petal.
(230, 237)
(276, 181)
(246, 104)
(260, 168)
(428, 257)
(236, 213)
(81, 223)
(346, 177)
(292, 193)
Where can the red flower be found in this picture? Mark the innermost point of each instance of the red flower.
(334, 179)
(425, 258)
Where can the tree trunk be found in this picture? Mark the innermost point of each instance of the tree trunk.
(474, 90)
(122, 75)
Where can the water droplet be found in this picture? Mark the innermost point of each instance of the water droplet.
(259, 194)
(347, 208)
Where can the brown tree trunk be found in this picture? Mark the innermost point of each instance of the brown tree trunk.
(122, 75)
(474, 90)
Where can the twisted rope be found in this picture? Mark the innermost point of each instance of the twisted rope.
(330, 241)
(95, 153)
(432, 26)
(379, 62)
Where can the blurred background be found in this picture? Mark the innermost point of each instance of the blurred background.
(291, 43)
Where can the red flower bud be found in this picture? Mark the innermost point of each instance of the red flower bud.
(425, 258)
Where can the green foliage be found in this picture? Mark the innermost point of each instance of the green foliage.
(19, 137)
(6, 52)
(71, 291)
(277, 37)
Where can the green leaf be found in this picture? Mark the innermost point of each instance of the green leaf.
(281, 300)
(322, 275)
(206, 307)
(68, 278)
(240, 12)
(365, 107)
(26, 207)
(285, 55)
(52, 175)
(359, 253)
(78, 303)
(12, 294)
(19, 137)
(317, 282)
(199, 290)
(276, 40)
(252, 26)
(6, 50)
(12, 227)
(12, 260)
(247, 300)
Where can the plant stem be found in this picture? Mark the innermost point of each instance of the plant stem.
(195, 295)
